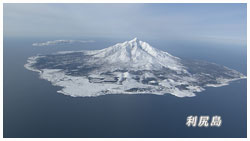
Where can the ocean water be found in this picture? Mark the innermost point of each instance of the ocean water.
(33, 108)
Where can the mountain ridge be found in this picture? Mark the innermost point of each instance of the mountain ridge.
(138, 54)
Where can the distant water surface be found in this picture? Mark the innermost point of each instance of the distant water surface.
(32, 108)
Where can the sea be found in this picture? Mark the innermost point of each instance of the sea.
(32, 108)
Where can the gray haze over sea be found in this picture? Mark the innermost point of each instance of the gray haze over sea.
(33, 108)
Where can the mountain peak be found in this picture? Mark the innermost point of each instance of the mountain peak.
(136, 54)
(134, 40)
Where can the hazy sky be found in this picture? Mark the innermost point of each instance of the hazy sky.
(215, 22)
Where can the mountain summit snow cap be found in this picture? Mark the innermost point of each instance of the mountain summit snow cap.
(135, 40)
(136, 55)
(135, 43)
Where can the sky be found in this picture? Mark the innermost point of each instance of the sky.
(203, 22)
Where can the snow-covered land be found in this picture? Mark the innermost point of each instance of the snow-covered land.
(132, 67)
(60, 42)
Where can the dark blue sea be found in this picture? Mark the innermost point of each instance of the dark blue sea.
(33, 108)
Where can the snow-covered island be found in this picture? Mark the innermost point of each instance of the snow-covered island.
(132, 67)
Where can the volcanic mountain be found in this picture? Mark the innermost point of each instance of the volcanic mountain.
(131, 67)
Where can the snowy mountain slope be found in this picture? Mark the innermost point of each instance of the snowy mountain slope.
(136, 54)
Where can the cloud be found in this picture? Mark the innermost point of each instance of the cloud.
(61, 42)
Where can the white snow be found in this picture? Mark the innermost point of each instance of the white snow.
(30, 62)
(56, 42)
(138, 55)
(223, 82)
(81, 87)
